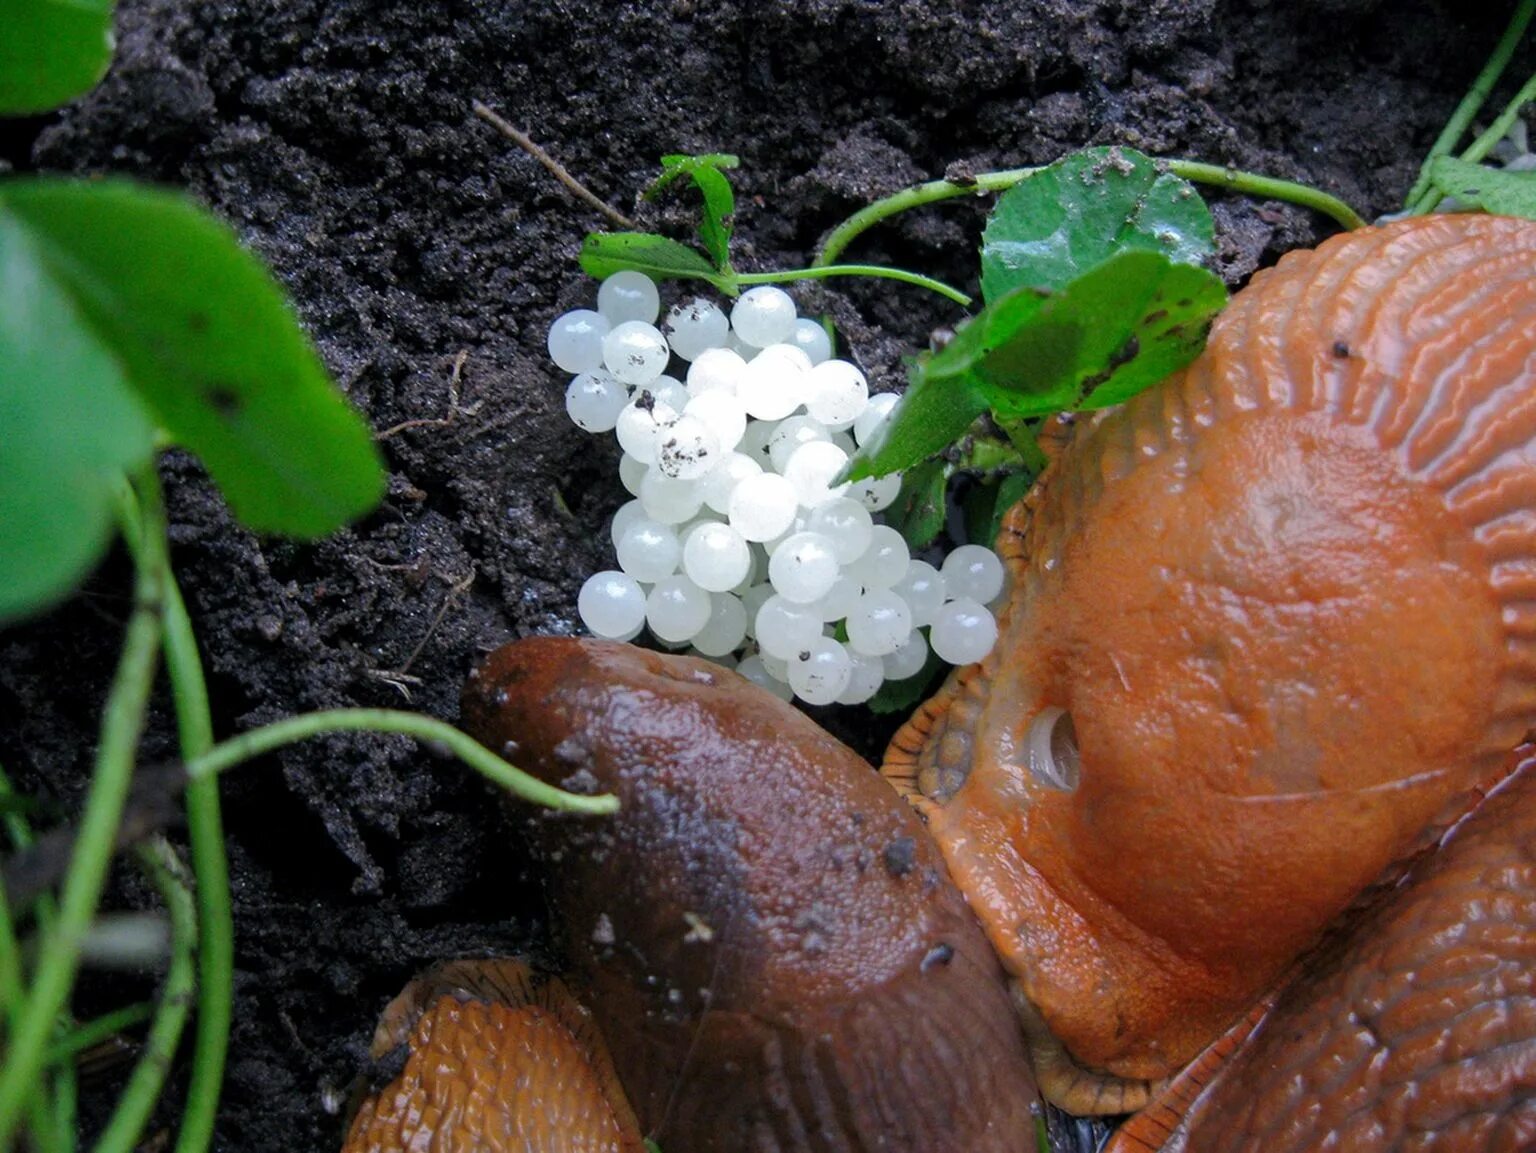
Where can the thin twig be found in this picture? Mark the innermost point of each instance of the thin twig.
(556, 169)
(455, 410)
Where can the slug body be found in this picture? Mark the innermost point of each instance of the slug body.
(764, 934)
(1288, 600)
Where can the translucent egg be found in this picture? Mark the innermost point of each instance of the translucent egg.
(639, 426)
(762, 506)
(716, 557)
(812, 339)
(884, 562)
(670, 391)
(715, 370)
(836, 393)
(725, 629)
(628, 512)
(594, 400)
(810, 471)
(839, 600)
(908, 658)
(773, 384)
(764, 315)
(667, 499)
(687, 449)
(973, 571)
(676, 609)
(803, 568)
(865, 676)
(631, 473)
(755, 671)
(628, 295)
(879, 623)
(649, 550)
(789, 434)
(875, 414)
(921, 586)
(611, 604)
(963, 631)
(876, 493)
(847, 523)
(724, 415)
(754, 598)
(819, 672)
(721, 481)
(695, 327)
(754, 442)
(576, 340)
(783, 628)
(635, 352)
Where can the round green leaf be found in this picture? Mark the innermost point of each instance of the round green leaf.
(71, 425)
(209, 346)
(51, 51)
(1058, 223)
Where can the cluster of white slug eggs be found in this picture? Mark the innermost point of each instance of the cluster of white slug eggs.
(736, 540)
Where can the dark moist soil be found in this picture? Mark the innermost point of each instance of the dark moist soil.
(336, 137)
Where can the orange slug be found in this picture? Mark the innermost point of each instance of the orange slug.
(1273, 626)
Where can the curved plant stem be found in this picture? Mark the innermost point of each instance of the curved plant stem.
(1421, 197)
(1252, 184)
(139, 1096)
(822, 271)
(935, 191)
(274, 736)
(59, 953)
(205, 832)
(210, 867)
(93, 1032)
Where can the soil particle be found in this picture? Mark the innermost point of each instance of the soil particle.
(427, 257)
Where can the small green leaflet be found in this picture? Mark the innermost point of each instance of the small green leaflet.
(1111, 332)
(659, 257)
(72, 428)
(52, 51)
(719, 199)
(199, 340)
(1491, 189)
(905, 695)
(919, 510)
(1077, 213)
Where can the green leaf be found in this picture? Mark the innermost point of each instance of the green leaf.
(208, 345)
(1073, 215)
(719, 199)
(604, 253)
(71, 428)
(1491, 189)
(52, 51)
(918, 513)
(1007, 493)
(1112, 332)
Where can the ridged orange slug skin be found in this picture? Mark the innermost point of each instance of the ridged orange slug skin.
(1288, 599)
(766, 937)
(500, 1060)
(1415, 1031)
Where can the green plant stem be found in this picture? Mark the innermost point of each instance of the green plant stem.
(1496, 131)
(138, 1097)
(1421, 197)
(1269, 188)
(65, 1099)
(210, 861)
(255, 743)
(59, 953)
(822, 271)
(934, 191)
(96, 1030)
